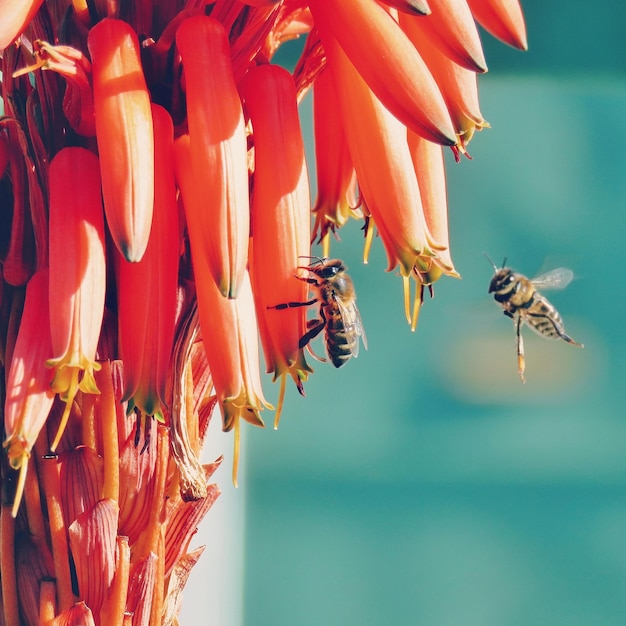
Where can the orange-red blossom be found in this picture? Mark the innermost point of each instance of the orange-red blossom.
(77, 274)
(280, 218)
(229, 328)
(221, 220)
(125, 136)
(29, 396)
(147, 290)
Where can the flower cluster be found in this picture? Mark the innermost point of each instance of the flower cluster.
(154, 211)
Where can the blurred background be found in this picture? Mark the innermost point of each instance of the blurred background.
(423, 484)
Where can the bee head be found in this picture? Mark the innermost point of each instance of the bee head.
(502, 280)
(327, 268)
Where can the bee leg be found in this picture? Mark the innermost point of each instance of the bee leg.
(292, 305)
(521, 363)
(315, 329)
(311, 281)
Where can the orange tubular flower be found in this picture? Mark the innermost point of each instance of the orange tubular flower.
(503, 19)
(451, 28)
(458, 85)
(380, 152)
(14, 17)
(218, 150)
(429, 168)
(125, 136)
(77, 273)
(336, 179)
(29, 397)
(428, 162)
(230, 336)
(388, 62)
(413, 7)
(147, 289)
(229, 329)
(280, 217)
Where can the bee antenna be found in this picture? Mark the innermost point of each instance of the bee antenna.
(316, 258)
(495, 267)
(504, 262)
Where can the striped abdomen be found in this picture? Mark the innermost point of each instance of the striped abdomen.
(340, 340)
(544, 319)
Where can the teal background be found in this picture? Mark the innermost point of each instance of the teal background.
(423, 484)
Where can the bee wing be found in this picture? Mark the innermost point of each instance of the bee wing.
(555, 279)
(353, 323)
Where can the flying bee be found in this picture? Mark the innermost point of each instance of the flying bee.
(338, 313)
(520, 300)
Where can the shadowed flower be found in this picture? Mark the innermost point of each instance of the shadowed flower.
(336, 179)
(29, 396)
(147, 289)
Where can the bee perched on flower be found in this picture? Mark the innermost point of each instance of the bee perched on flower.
(338, 317)
(158, 206)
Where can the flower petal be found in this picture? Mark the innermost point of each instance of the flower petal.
(503, 19)
(125, 136)
(218, 151)
(388, 62)
(280, 216)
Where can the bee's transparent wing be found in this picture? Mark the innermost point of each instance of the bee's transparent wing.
(555, 279)
(353, 323)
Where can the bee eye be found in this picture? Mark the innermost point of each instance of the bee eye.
(329, 272)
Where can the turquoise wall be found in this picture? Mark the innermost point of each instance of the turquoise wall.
(423, 484)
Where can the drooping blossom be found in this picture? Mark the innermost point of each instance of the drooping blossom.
(155, 212)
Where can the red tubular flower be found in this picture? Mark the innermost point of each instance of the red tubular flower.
(125, 136)
(336, 179)
(77, 273)
(280, 217)
(147, 289)
(381, 157)
(503, 19)
(458, 85)
(413, 7)
(451, 28)
(229, 329)
(218, 151)
(230, 336)
(29, 397)
(14, 17)
(428, 162)
(388, 62)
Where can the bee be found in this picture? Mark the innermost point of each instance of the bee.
(338, 313)
(520, 300)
